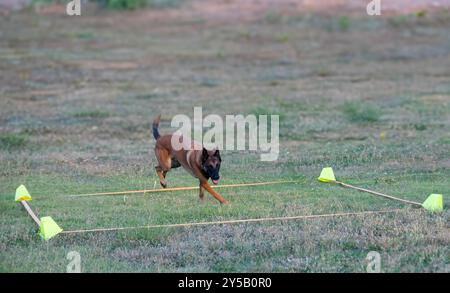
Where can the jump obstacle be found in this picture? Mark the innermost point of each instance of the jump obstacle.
(180, 188)
(434, 202)
(48, 228)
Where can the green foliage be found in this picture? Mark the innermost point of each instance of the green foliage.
(122, 4)
(40, 2)
(136, 4)
(125, 4)
(163, 3)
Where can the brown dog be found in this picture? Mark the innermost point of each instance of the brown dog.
(202, 164)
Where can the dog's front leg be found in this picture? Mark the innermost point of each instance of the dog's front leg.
(217, 196)
(201, 193)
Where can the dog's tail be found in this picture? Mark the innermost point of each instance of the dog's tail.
(155, 125)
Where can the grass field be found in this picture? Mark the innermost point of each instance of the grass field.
(368, 96)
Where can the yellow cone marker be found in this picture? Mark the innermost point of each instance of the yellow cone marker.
(48, 228)
(327, 175)
(22, 193)
(434, 203)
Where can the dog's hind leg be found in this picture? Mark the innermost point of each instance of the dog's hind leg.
(162, 170)
(164, 165)
(162, 176)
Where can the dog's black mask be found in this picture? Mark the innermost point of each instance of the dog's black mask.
(211, 164)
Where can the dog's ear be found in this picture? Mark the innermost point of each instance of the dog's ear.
(217, 154)
(204, 155)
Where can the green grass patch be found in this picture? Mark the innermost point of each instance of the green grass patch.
(420, 126)
(343, 242)
(209, 82)
(361, 112)
(421, 13)
(273, 17)
(72, 150)
(12, 141)
(344, 23)
(323, 72)
(85, 35)
(91, 114)
(261, 110)
(445, 140)
(282, 38)
(399, 21)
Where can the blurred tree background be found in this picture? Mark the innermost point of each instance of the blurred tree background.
(118, 4)
(135, 4)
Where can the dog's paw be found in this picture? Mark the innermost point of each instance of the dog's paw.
(163, 184)
(225, 202)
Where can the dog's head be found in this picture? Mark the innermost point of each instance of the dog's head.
(211, 164)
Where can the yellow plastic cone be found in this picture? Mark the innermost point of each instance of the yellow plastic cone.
(22, 193)
(327, 175)
(434, 203)
(49, 228)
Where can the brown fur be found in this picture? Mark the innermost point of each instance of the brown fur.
(191, 160)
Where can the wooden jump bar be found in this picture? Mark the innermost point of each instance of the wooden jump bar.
(181, 188)
(30, 212)
(379, 194)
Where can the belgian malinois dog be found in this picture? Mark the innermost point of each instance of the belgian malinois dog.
(201, 163)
